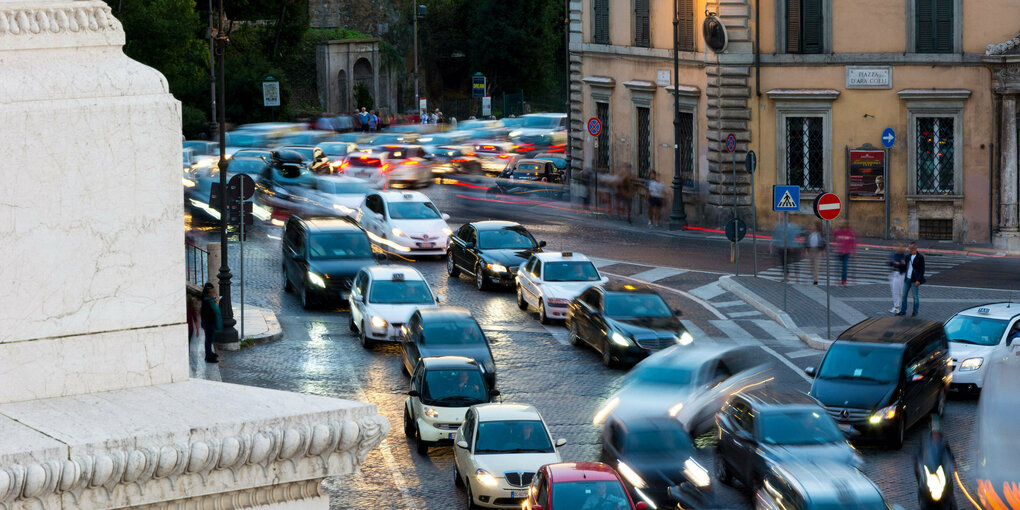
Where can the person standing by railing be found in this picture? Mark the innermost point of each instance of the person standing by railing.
(212, 320)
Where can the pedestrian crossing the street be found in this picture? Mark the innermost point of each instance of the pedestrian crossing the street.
(868, 267)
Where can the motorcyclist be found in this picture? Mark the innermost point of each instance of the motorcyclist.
(934, 467)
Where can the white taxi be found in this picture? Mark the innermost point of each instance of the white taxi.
(383, 298)
(499, 448)
(976, 336)
(442, 390)
(549, 281)
(405, 223)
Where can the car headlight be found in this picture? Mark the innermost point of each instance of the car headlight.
(971, 364)
(606, 409)
(397, 232)
(619, 339)
(684, 339)
(316, 280)
(696, 474)
(431, 413)
(496, 268)
(936, 482)
(485, 478)
(675, 409)
(447, 231)
(188, 183)
(885, 413)
(343, 208)
(515, 133)
(631, 475)
(378, 322)
(558, 301)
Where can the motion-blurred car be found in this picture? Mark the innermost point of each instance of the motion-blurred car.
(653, 454)
(883, 375)
(549, 281)
(332, 195)
(579, 485)
(687, 382)
(499, 449)
(442, 390)
(446, 331)
(306, 138)
(494, 155)
(491, 251)
(540, 170)
(818, 486)
(448, 159)
(405, 165)
(203, 147)
(405, 222)
(540, 131)
(759, 428)
(312, 156)
(978, 335)
(625, 323)
(337, 152)
(382, 300)
(996, 464)
(321, 257)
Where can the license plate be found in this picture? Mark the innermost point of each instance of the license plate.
(450, 435)
(427, 245)
(518, 494)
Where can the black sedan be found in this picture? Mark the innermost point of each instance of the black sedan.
(491, 251)
(625, 323)
(446, 331)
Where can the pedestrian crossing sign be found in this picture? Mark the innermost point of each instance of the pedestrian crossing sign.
(785, 198)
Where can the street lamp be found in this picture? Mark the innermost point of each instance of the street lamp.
(678, 216)
(229, 333)
(418, 13)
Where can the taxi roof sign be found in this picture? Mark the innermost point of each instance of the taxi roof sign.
(567, 254)
(984, 311)
(398, 277)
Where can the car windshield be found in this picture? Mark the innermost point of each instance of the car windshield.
(455, 332)
(654, 374)
(512, 436)
(967, 329)
(582, 271)
(334, 149)
(871, 363)
(670, 441)
(529, 168)
(559, 163)
(246, 165)
(245, 140)
(413, 211)
(590, 495)
(798, 428)
(636, 305)
(453, 388)
(851, 502)
(407, 292)
(339, 246)
(343, 188)
(509, 238)
(541, 122)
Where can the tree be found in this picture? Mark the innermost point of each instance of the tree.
(362, 97)
(517, 48)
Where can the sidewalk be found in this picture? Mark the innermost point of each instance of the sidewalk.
(260, 327)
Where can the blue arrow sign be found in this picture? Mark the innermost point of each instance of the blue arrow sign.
(785, 198)
(888, 138)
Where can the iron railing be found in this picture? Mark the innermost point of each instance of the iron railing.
(197, 262)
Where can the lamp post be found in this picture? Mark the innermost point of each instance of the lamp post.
(229, 333)
(419, 11)
(678, 216)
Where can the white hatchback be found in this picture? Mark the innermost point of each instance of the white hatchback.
(405, 223)
(976, 335)
(549, 281)
(499, 448)
(383, 298)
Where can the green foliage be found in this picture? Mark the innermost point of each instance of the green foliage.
(193, 120)
(362, 97)
(517, 50)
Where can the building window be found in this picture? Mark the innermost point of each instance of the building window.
(644, 142)
(602, 154)
(687, 151)
(600, 25)
(685, 37)
(934, 26)
(805, 26)
(641, 23)
(805, 153)
(935, 156)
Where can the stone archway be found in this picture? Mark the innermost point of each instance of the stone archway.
(341, 80)
(364, 76)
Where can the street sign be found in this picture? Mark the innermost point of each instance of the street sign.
(270, 91)
(423, 104)
(478, 85)
(785, 198)
(750, 162)
(486, 106)
(242, 187)
(594, 126)
(828, 206)
(888, 137)
(731, 143)
(736, 229)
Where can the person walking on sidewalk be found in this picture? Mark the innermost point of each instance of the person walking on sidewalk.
(913, 279)
(656, 196)
(212, 320)
(786, 246)
(815, 250)
(846, 247)
(363, 117)
(898, 263)
(625, 190)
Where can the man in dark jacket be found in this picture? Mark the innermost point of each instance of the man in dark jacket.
(913, 279)
(212, 320)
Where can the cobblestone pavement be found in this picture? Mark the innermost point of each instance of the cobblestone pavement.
(535, 363)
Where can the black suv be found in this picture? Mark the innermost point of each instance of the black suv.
(883, 375)
(491, 250)
(321, 257)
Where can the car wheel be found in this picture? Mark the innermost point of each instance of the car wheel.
(721, 473)
(575, 340)
(287, 287)
(451, 267)
(305, 303)
(408, 424)
(457, 480)
(480, 282)
(350, 323)
(470, 497)
(542, 317)
(420, 446)
(366, 342)
(521, 303)
(607, 356)
(940, 406)
(898, 434)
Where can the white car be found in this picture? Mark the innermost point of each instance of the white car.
(499, 447)
(976, 335)
(383, 298)
(405, 222)
(442, 390)
(332, 196)
(549, 281)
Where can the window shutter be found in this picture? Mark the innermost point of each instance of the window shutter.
(601, 21)
(925, 33)
(792, 26)
(811, 26)
(686, 26)
(641, 37)
(944, 26)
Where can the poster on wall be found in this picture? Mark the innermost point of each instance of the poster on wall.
(867, 175)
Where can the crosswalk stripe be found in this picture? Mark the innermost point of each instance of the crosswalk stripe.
(778, 332)
(803, 353)
(709, 291)
(865, 268)
(658, 273)
(737, 315)
(733, 331)
(727, 304)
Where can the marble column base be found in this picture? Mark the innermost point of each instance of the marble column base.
(1009, 241)
(193, 444)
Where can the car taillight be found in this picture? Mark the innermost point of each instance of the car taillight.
(386, 168)
(409, 162)
(503, 156)
(470, 154)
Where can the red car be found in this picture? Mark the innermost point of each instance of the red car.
(577, 486)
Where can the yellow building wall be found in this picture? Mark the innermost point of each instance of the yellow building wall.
(989, 22)
(869, 26)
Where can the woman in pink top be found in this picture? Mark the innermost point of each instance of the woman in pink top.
(846, 246)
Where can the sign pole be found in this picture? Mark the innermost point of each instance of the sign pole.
(885, 198)
(595, 175)
(786, 254)
(828, 308)
(241, 239)
(736, 245)
(754, 228)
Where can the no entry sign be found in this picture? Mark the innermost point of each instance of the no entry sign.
(828, 206)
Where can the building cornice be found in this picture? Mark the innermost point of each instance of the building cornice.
(640, 85)
(933, 94)
(683, 90)
(605, 82)
(803, 94)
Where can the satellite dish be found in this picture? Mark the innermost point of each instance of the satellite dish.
(715, 34)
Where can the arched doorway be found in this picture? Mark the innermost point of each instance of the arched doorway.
(363, 77)
(343, 104)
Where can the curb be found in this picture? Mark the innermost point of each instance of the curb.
(274, 333)
(813, 341)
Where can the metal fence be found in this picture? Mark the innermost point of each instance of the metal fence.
(197, 261)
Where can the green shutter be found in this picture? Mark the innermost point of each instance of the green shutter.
(793, 26)
(641, 37)
(924, 12)
(944, 26)
(600, 26)
(811, 26)
(686, 26)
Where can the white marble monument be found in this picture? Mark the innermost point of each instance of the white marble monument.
(96, 409)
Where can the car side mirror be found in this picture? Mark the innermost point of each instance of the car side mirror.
(462, 444)
(414, 393)
(810, 371)
(674, 492)
(446, 217)
(541, 244)
(560, 442)
(678, 312)
(494, 393)
(440, 298)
